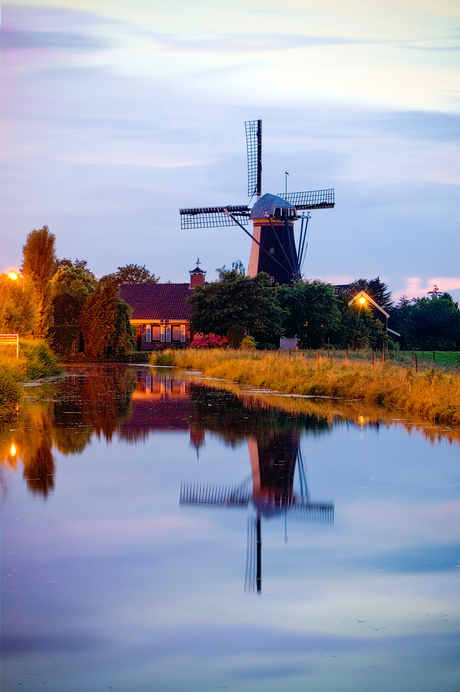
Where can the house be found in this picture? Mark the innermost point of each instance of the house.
(363, 299)
(161, 314)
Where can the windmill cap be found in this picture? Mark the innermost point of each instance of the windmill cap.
(266, 206)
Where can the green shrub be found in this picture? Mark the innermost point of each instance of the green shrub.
(10, 390)
(162, 358)
(248, 343)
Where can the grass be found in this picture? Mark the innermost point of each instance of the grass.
(36, 361)
(432, 396)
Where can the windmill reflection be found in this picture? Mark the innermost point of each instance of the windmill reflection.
(273, 463)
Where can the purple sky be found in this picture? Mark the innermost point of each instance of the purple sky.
(115, 115)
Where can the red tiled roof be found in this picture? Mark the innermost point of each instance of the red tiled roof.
(157, 301)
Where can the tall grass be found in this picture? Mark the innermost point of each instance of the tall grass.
(35, 361)
(432, 396)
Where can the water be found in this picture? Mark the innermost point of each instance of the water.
(161, 535)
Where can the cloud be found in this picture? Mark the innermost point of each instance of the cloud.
(236, 43)
(14, 39)
(443, 127)
(415, 289)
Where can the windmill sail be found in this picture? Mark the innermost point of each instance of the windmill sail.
(313, 199)
(254, 149)
(212, 217)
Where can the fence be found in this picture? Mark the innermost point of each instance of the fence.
(10, 340)
(419, 360)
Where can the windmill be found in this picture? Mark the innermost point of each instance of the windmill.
(272, 496)
(273, 248)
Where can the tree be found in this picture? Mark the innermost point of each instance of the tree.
(105, 323)
(375, 288)
(79, 264)
(38, 265)
(18, 306)
(433, 323)
(237, 305)
(71, 288)
(311, 311)
(132, 274)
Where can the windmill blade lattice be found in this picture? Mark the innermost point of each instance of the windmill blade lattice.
(213, 217)
(254, 148)
(312, 199)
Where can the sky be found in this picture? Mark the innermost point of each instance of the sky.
(115, 115)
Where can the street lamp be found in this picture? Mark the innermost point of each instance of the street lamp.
(13, 275)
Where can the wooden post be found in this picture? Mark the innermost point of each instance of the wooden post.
(372, 357)
(416, 362)
(317, 355)
(383, 356)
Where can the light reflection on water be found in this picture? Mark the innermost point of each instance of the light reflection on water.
(132, 508)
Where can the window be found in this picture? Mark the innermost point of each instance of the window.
(182, 333)
(148, 333)
(176, 332)
(272, 279)
(156, 332)
(162, 333)
(168, 333)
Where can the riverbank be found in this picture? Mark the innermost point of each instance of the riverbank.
(36, 361)
(432, 396)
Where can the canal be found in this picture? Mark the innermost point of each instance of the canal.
(161, 532)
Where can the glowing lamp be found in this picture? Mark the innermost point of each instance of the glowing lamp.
(13, 275)
(362, 300)
(13, 450)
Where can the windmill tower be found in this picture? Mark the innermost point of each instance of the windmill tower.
(273, 248)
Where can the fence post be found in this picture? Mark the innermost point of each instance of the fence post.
(317, 355)
(372, 357)
(383, 356)
(416, 362)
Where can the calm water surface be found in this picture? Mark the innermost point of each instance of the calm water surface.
(161, 535)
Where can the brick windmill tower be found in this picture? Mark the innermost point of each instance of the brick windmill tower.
(273, 248)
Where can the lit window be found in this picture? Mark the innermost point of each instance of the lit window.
(148, 333)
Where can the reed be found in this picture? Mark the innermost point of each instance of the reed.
(36, 361)
(432, 396)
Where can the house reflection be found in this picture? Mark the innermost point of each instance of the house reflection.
(133, 403)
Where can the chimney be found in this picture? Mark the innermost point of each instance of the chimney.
(197, 276)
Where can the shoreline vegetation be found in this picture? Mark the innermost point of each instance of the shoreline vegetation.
(432, 396)
(36, 361)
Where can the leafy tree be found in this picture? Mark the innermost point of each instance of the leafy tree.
(79, 264)
(237, 305)
(105, 323)
(18, 306)
(433, 324)
(71, 287)
(122, 341)
(359, 329)
(132, 274)
(311, 311)
(39, 265)
(377, 290)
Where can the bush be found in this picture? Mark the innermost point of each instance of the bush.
(209, 341)
(162, 358)
(248, 343)
(10, 390)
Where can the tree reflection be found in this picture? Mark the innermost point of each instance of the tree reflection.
(86, 402)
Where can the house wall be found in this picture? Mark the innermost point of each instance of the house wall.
(156, 335)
